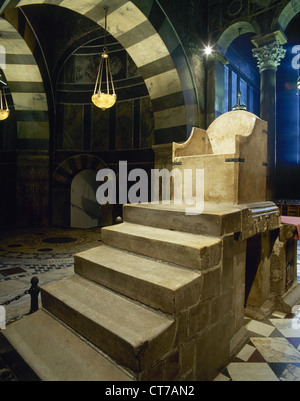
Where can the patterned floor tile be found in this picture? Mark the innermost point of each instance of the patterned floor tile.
(295, 342)
(291, 373)
(288, 327)
(246, 352)
(251, 372)
(260, 328)
(276, 350)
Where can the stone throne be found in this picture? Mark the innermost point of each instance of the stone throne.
(164, 296)
(233, 155)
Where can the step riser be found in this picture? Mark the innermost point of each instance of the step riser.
(150, 294)
(180, 254)
(205, 223)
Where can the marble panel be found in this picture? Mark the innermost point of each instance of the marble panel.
(170, 39)
(17, 72)
(123, 19)
(246, 352)
(124, 126)
(168, 102)
(85, 69)
(140, 32)
(14, 46)
(30, 101)
(6, 27)
(33, 130)
(276, 350)
(27, 2)
(147, 123)
(170, 118)
(163, 84)
(192, 115)
(260, 328)
(148, 50)
(97, 12)
(157, 67)
(288, 327)
(291, 373)
(251, 372)
(73, 127)
(22, 59)
(82, 7)
(99, 129)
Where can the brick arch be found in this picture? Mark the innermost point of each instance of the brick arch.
(69, 168)
(61, 189)
(147, 35)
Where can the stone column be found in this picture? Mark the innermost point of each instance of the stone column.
(214, 85)
(269, 53)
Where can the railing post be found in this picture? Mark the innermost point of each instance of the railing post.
(34, 294)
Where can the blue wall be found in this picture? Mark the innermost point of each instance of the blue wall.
(288, 130)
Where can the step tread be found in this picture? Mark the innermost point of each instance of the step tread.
(215, 219)
(196, 241)
(212, 208)
(164, 286)
(159, 273)
(194, 251)
(56, 353)
(131, 322)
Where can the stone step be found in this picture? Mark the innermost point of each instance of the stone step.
(56, 353)
(132, 334)
(189, 250)
(160, 285)
(216, 219)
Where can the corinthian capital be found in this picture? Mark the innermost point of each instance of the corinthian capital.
(269, 56)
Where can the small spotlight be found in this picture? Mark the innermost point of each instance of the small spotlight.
(208, 50)
(298, 83)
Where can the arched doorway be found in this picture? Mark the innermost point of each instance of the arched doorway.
(78, 173)
(85, 211)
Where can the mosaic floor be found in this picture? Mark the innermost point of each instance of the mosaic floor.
(272, 353)
(47, 254)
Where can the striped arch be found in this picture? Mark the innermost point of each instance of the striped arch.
(69, 168)
(27, 89)
(146, 34)
(288, 13)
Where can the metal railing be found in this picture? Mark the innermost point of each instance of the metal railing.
(33, 291)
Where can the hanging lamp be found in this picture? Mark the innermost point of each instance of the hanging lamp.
(238, 105)
(104, 100)
(4, 110)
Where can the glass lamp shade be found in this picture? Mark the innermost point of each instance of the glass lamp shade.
(104, 100)
(4, 114)
(4, 110)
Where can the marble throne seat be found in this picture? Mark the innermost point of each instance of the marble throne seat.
(233, 154)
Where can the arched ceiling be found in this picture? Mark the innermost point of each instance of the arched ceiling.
(147, 36)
